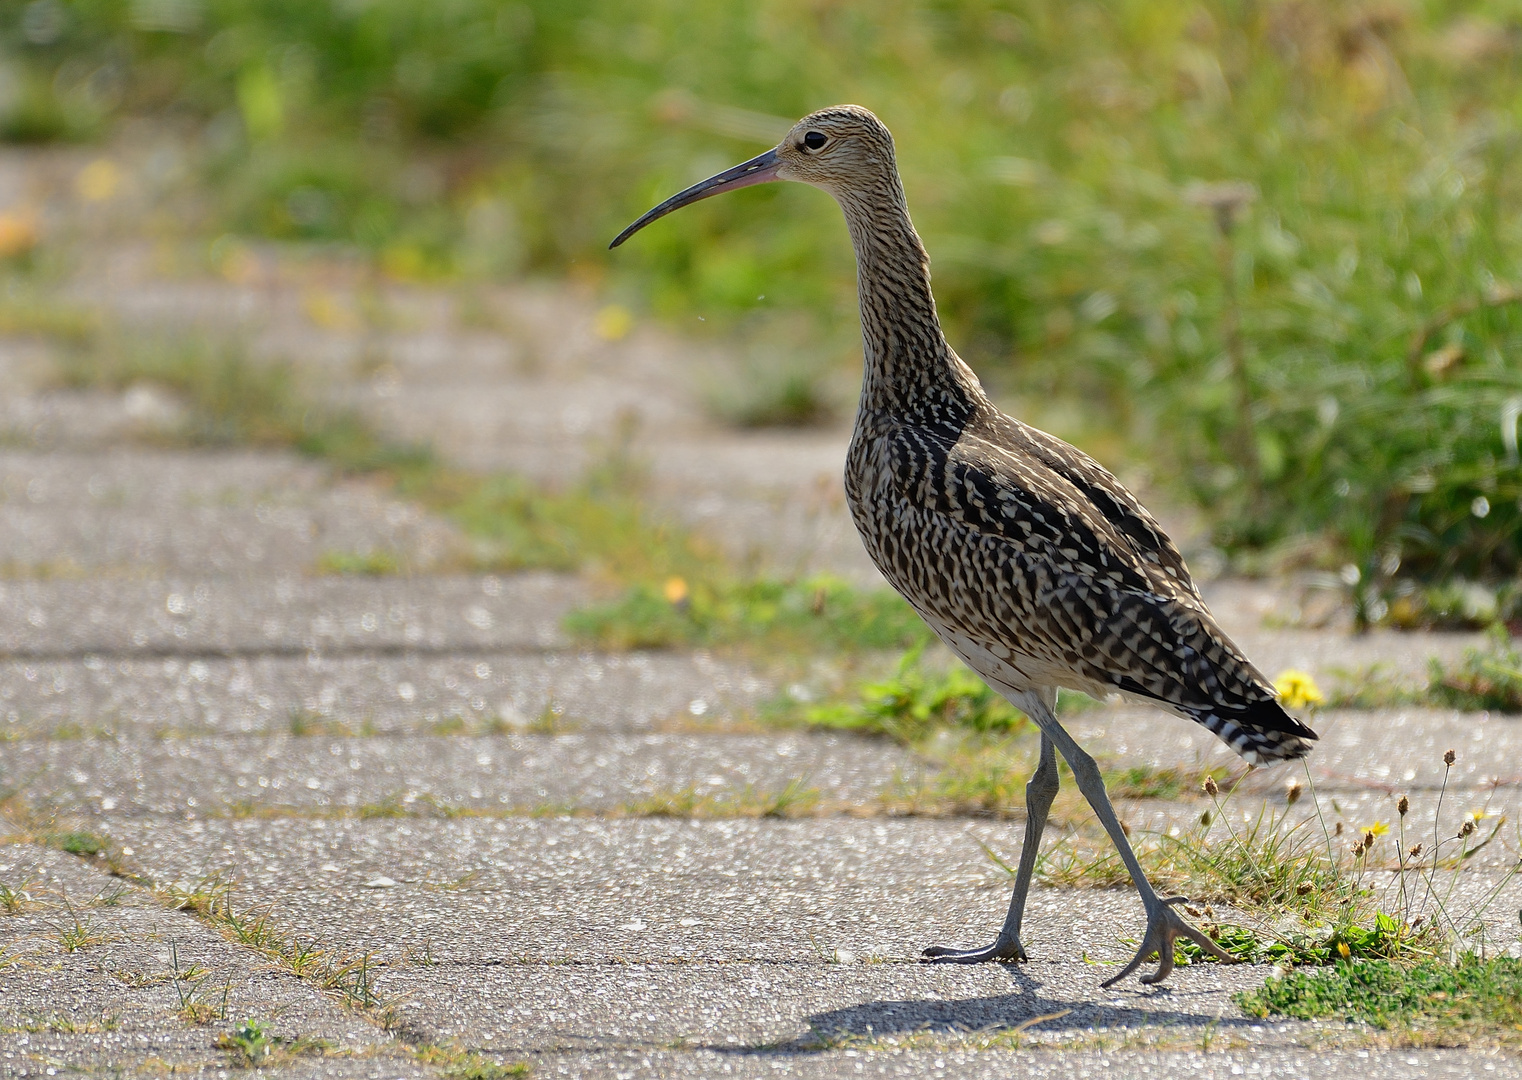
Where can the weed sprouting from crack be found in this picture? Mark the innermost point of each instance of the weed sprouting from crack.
(63, 1024)
(189, 987)
(17, 900)
(694, 801)
(80, 933)
(458, 1063)
(350, 977)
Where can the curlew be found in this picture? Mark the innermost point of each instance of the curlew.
(1023, 554)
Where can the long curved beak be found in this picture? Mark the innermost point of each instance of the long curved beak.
(758, 170)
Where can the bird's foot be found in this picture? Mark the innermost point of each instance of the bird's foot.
(1002, 949)
(1164, 926)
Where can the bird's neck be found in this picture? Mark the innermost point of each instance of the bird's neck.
(910, 370)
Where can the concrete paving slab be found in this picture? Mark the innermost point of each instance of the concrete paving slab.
(88, 982)
(212, 616)
(246, 776)
(136, 512)
(408, 693)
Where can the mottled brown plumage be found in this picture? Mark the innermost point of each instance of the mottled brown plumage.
(1027, 558)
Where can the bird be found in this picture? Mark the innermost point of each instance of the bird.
(1026, 557)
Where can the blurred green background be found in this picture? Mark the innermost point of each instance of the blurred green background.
(1272, 249)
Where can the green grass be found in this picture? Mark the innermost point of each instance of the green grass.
(795, 799)
(917, 701)
(1472, 993)
(1382, 937)
(811, 613)
(77, 842)
(15, 899)
(457, 1063)
(373, 563)
(1488, 678)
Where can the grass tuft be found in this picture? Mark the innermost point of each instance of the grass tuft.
(80, 842)
(811, 613)
(1488, 678)
(1388, 994)
(917, 700)
(16, 900)
(373, 563)
(796, 799)
(456, 1063)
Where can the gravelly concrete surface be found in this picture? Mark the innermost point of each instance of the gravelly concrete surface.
(597, 772)
(405, 693)
(187, 617)
(144, 512)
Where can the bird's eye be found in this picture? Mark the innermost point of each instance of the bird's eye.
(814, 140)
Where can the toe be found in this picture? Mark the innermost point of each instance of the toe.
(1164, 961)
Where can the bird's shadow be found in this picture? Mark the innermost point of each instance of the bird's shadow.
(1025, 1008)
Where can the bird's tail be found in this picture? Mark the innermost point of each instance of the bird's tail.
(1261, 733)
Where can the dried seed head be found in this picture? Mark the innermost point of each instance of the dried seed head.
(1403, 806)
(1368, 839)
(1292, 796)
(1416, 850)
(1467, 828)
(1205, 818)
(1210, 787)
(1304, 888)
(1338, 830)
(1449, 758)
(1226, 199)
(1357, 848)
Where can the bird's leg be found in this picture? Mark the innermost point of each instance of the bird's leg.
(1164, 925)
(1039, 793)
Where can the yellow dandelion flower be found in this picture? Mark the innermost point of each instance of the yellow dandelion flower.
(98, 180)
(1343, 950)
(1477, 815)
(1296, 689)
(613, 322)
(675, 591)
(1379, 828)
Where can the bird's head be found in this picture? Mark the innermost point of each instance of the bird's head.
(840, 149)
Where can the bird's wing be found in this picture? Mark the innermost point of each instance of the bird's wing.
(1108, 496)
(1018, 557)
